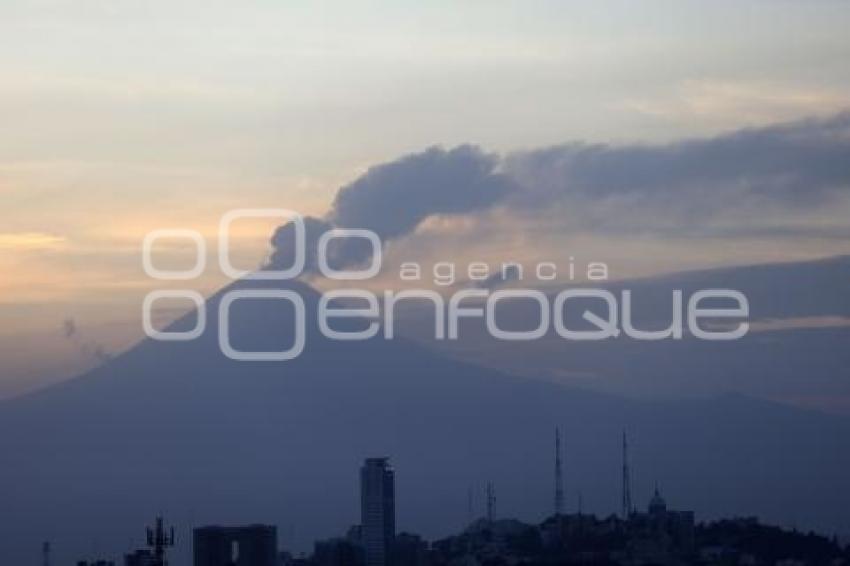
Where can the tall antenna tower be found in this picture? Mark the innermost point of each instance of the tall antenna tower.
(470, 510)
(491, 502)
(559, 477)
(45, 553)
(627, 489)
(159, 540)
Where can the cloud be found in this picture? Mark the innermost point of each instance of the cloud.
(763, 182)
(783, 181)
(88, 348)
(69, 327)
(509, 272)
(30, 241)
(734, 102)
(796, 164)
(283, 244)
(394, 198)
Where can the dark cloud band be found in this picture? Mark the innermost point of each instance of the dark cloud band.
(787, 167)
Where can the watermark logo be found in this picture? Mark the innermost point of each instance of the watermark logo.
(470, 303)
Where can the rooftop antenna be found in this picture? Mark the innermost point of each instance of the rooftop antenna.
(491, 502)
(159, 540)
(45, 553)
(470, 512)
(627, 490)
(559, 478)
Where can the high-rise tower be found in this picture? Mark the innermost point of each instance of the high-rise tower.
(627, 489)
(559, 478)
(159, 540)
(377, 510)
(491, 502)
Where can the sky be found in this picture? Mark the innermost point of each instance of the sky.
(124, 117)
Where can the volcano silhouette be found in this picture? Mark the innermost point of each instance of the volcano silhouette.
(178, 428)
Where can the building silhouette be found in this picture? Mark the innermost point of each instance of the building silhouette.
(253, 545)
(337, 552)
(661, 535)
(377, 511)
(410, 550)
(657, 536)
(141, 557)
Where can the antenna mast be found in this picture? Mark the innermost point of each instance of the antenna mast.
(159, 540)
(627, 490)
(559, 479)
(491, 502)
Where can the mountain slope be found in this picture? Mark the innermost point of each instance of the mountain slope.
(178, 428)
(795, 351)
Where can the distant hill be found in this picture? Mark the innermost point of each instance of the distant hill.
(796, 350)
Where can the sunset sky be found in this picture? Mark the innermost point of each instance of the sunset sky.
(119, 119)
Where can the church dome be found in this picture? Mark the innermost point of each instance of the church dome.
(657, 503)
